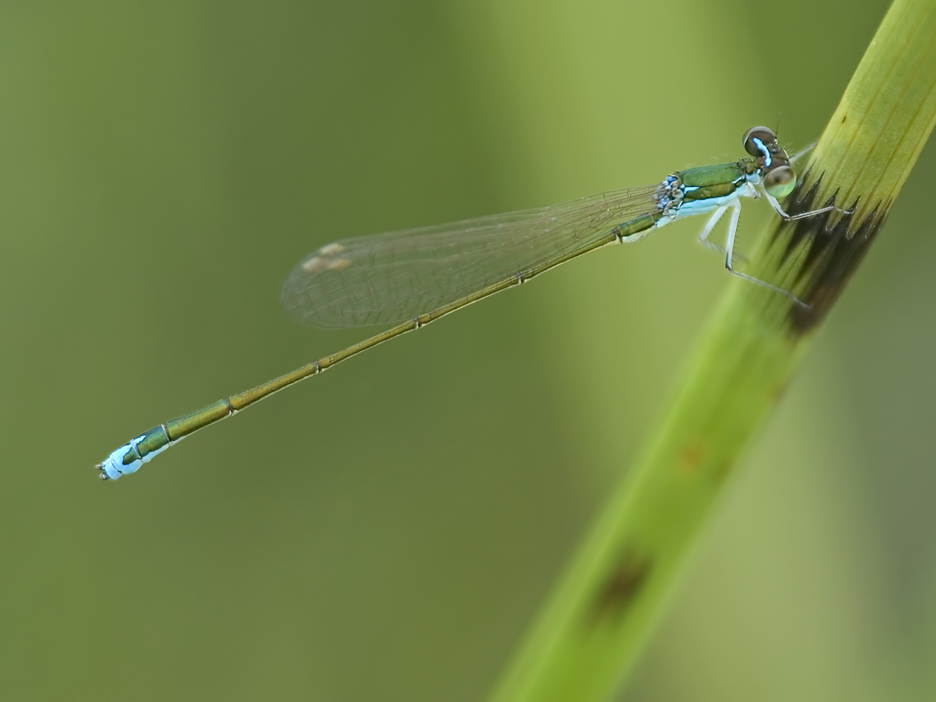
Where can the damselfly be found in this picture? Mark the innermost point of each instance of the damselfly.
(412, 277)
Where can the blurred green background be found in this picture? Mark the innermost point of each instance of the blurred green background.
(387, 531)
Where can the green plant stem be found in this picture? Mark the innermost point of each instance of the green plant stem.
(592, 629)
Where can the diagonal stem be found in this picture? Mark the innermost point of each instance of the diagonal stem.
(589, 634)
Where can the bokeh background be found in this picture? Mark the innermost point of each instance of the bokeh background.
(387, 531)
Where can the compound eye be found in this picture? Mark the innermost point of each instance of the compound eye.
(758, 134)
(780, 181)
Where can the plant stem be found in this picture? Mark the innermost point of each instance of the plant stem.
(592, 629)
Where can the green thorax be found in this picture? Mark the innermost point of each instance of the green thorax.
(720, 180)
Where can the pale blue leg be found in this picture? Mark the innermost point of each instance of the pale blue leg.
(803, 215)
(802, 152)
(735, 206)
(729, 252)
(709, 226)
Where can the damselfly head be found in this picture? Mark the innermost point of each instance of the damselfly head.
(779, 178)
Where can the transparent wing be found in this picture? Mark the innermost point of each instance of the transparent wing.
(393, 277)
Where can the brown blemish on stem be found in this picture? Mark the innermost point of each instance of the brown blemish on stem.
(621, 586)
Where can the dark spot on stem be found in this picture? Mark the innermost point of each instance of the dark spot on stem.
(621, 586)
